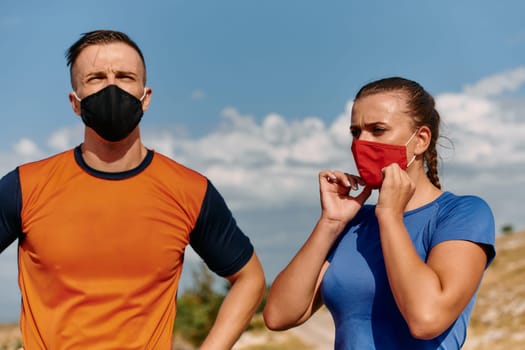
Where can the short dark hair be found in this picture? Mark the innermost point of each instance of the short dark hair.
(98, 37)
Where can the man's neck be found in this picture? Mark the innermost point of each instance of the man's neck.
(115, 156)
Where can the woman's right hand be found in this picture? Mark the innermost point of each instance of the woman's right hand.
(295, 295)
(337, 204)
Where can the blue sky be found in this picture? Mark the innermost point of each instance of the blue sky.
(254, 94)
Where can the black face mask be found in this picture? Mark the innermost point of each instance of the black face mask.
(112, 112)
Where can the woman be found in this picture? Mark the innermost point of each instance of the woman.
(403, 273)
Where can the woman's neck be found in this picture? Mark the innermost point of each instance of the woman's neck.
(425, 193)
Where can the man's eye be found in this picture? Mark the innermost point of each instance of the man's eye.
(126, 77)
(94, 78)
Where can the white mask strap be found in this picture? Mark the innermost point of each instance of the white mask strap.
(142, 98)
(411, 161)
(411, 137)
(144, 95)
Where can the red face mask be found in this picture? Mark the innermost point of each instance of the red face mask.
(371, 157)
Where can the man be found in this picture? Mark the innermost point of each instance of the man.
(102, 228)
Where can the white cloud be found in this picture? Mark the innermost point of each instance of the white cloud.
(487, 130)
(267, 170)
(65, 138)
(27, 149)
(262, 165)
(198, 95)
(274, 162)
(498, 84)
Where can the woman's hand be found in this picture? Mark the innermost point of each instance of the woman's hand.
(396, 190)
(295, 294)
(336, 202)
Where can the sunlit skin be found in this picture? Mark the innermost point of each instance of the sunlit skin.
(445, 283)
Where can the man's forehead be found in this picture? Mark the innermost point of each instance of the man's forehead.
(115, 56)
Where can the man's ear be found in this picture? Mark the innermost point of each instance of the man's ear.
(423, 137)
(75, 103)
(147, 98)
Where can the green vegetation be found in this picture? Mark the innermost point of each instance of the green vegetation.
(197, 307)
(506, 229)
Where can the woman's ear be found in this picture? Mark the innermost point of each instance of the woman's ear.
(423, 137)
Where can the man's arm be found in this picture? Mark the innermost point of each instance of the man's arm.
(241, 302)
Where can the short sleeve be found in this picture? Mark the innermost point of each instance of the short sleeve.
(217, 239)
(466, 218)
(10, 206)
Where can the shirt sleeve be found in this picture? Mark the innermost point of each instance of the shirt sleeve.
(217, 238)
(10, 206)
(467, 218)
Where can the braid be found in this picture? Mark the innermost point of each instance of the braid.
(431, 160)
(432, 119)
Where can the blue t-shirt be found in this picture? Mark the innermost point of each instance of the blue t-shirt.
(355, 287)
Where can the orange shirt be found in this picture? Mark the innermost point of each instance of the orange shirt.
(101, 254)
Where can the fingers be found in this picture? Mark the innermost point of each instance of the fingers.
(341, 178)
(363, 196)
(394, 175)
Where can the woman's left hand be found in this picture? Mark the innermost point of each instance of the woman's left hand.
(396, 190)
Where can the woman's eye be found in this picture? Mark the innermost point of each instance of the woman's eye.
(355, 132)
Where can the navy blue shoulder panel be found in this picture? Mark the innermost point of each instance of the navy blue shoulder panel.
(217, 238)
(10, 207)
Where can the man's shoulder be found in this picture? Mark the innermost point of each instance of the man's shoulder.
(46, 162)
(168, 164)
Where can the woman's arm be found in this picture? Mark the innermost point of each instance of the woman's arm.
(294, 295)
(432, 294)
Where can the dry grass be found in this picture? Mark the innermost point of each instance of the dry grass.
(498, 319)
(9, 337)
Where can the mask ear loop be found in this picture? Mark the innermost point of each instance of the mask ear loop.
(406, 144)
(411, 161)
(411, 137)
(143, 96)
(79, 100)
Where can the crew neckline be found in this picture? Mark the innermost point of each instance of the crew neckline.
(120, 175)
